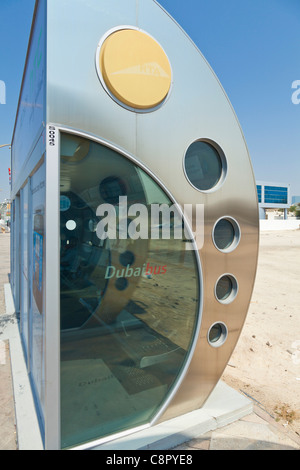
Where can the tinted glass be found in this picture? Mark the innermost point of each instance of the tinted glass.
(224, 234)
(129, 304)
(224, 288)
(215, 333)
(258, 187)
(203, 165)
(276, 195)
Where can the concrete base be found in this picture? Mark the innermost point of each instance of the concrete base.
(27, 426)
(223, 407)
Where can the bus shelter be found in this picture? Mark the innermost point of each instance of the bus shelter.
(134, 221)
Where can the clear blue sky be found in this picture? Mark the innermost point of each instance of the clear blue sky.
(253, 47)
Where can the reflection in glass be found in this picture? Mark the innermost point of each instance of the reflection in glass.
(203, 165)
(129, 306)
(37, 314)
(24, 262)
(127, 258)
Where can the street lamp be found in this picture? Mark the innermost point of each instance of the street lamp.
(5, 145)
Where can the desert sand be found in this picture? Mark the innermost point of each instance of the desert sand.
(265, 364)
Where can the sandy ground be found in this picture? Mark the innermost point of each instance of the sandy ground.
(266, 361)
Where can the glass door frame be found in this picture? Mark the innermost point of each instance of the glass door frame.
(52, 436)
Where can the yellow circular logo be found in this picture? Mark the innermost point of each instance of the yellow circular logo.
(135, 69)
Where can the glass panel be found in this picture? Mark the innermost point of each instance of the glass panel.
(224, 288)
(24, 265)
(37, 255)
(129, 294)
(203, 165)
(224, 234)
(215, 333)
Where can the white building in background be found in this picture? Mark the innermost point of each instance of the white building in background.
(273, 196)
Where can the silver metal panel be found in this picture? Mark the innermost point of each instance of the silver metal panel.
(52, 328)
(74, 93)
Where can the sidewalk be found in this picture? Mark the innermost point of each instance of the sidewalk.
(229, 420)
(7, 410)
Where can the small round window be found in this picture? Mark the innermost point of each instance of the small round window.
(226, 288)
(217, 334)
(226, 234)
(204, 165)
(127, 258)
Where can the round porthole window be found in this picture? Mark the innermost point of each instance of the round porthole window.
(204, 165)
(226, 234)
(217, 334)
(121, 283)
(127, 258)
(226, 289)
